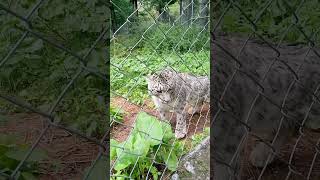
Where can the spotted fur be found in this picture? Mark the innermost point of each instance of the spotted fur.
(266, 121)
(174, 91)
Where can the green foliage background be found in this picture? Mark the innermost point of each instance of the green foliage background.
(143, 47)
(275, 21)
(11, 154)
(38, 72)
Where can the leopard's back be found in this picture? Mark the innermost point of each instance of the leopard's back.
(270, 103)
(276, 85)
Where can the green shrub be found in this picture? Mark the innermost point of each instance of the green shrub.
(122, 10)
(128, 77)
(197, 138)
(116, 114)
(38, 72)
(275, 20)
(12, 154)
(149, 139)
(149, 46)
(162, 38)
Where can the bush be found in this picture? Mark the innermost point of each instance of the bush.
(116, 114)
(186, 50)
(164, 38)
(12, 154)
(275, 20)
(128, 73)
(122, 9)
(38, 72)
(149, 139)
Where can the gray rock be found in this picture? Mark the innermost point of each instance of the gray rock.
(175, 176)
(196, 164)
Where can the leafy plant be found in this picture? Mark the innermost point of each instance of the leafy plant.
(275, 20)
(38, 72)
(159, 5)
(149, 139)
(197, 138)
(130, 81)
(121, 10)
(162, 45)
(11, 154)
(116, 114)
(162, 38)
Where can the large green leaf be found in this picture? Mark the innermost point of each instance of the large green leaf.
(125, 157)
(124, 160)
(113, 151)
(167, 130)
(140, 145)
(4, 160)
(150, 127)
(169, 158)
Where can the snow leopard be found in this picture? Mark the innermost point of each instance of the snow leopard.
(173, 91)
(263, 91)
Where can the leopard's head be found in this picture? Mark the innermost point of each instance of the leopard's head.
(161, 85)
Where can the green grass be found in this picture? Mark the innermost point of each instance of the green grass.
(37, 73)
(116, 114)
(184, 49)
(128, 80)
(275, 20)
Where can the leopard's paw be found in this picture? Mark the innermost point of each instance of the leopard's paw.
(180, 134)
(260, 155)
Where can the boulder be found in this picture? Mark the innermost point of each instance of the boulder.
(196, 164)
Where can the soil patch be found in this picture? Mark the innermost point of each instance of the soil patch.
(120, 131)
(302, 158)
(69, 155)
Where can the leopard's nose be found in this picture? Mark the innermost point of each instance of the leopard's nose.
(164, 101)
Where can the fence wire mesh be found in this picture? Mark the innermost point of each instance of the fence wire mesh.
(53, 63)
(264, 90)
(148, 37)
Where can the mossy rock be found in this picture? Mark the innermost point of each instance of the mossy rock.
(196, 164)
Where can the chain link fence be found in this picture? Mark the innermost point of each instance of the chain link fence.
(265, 89)
(37, 45)
(147, 37)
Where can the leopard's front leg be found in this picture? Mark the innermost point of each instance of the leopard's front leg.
(164, 114)
(181, 126)
(162, 108)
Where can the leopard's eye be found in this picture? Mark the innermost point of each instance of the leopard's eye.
(159, 91)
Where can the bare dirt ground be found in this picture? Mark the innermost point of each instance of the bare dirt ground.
(278, 170)
(69, 155)
(301, 162)
(73, 154)
(120, 132)
(304, 153)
